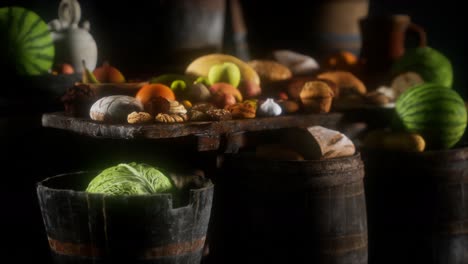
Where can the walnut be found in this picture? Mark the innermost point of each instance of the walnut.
(203, 107)
(219, 114)
(196, 115)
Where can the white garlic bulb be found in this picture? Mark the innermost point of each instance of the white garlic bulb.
(269, 108)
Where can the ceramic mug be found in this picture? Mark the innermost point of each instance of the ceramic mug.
(384, 39)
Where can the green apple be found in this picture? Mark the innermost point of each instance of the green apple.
(226, 72)
(429, 63)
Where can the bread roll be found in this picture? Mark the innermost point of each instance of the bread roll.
(316, 97)
(347, 82)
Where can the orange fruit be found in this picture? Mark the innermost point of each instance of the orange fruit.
(153, 90)
(341, 60)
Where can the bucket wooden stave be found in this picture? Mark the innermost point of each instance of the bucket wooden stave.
(95, 228)
(287, 211)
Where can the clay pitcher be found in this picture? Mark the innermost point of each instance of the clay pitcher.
(384, 41)
(73, 43)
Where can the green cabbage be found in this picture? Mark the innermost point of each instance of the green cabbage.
(130, 179)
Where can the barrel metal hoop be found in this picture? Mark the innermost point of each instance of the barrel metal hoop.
(344, 244)
(333, 179)
(451, 176)
(175, 249)
(74, 249)
(455, 228)
(90, 251)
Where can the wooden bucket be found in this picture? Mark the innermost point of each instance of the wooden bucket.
(96, 228)
(417, 206)
(290, 211)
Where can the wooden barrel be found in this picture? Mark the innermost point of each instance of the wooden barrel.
(95, 228)
(290, 211)
(417, 206)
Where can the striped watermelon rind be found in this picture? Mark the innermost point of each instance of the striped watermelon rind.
(429, 63)
(28, 42)
(435, 112)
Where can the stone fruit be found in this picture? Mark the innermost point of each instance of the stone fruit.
(198, 92)
(202, 65)
(108, 74)
(436, 113)
(226, 89)
(430, 64)
(63, 68)
(226, 72)
(153, 90)
(224, 94)
(249, 89)
(26, 43)
(340, 60)
(283, 96)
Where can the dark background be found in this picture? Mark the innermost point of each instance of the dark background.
(132, 36)
(124, 32)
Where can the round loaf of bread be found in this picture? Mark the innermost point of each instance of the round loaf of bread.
(114, 108)
(270, 71)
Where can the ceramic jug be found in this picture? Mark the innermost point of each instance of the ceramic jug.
(384, 38)
(73, 44)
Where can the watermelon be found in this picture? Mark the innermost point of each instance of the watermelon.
(429, 63)
(433, 111)
(27, 44)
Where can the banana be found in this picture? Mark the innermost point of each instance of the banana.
(201, 66)
(88, 76)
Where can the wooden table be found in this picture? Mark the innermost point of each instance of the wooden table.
(210, 135)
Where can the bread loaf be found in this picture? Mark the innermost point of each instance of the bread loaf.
(114, 108)
(318, 143)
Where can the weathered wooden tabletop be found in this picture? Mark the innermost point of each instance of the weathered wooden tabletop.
(209, 133)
